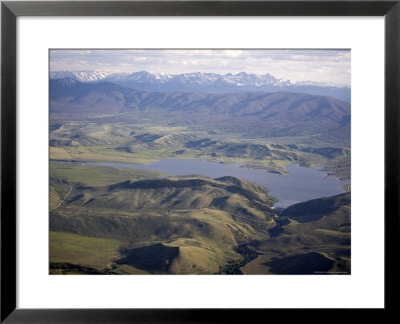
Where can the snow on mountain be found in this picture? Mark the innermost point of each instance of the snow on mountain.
(206, 82)
(241, 78)
(83, 76)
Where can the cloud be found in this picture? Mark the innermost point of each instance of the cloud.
(320, 65)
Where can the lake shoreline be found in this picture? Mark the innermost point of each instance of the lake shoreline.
(299, 185)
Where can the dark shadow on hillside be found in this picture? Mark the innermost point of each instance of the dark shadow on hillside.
(153, 258)
(315, 209)
(278, 229)
(308, 263)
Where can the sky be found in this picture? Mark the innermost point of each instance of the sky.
(328, 66)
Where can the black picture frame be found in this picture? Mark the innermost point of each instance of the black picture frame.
(10, 10)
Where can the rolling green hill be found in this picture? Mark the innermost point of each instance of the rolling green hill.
(195, 223)
(189, 224)
(272, 114)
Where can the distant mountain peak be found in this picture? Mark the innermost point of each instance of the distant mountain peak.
(206, 82)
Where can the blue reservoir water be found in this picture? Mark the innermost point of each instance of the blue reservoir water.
(301, 184)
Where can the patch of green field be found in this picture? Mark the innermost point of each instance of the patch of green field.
(98, 176)
(92, 252)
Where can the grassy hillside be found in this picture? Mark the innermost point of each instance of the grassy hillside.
(190, 225)
(87, 251)
(95, 176)
(272, 114)
(149, 142)
(317, 208)
(314, 237)
(187, 224)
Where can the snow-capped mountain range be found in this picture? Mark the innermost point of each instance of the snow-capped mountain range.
(206, 82)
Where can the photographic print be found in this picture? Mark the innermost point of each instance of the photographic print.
(200, 161)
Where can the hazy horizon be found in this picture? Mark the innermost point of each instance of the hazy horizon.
(321, 66)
